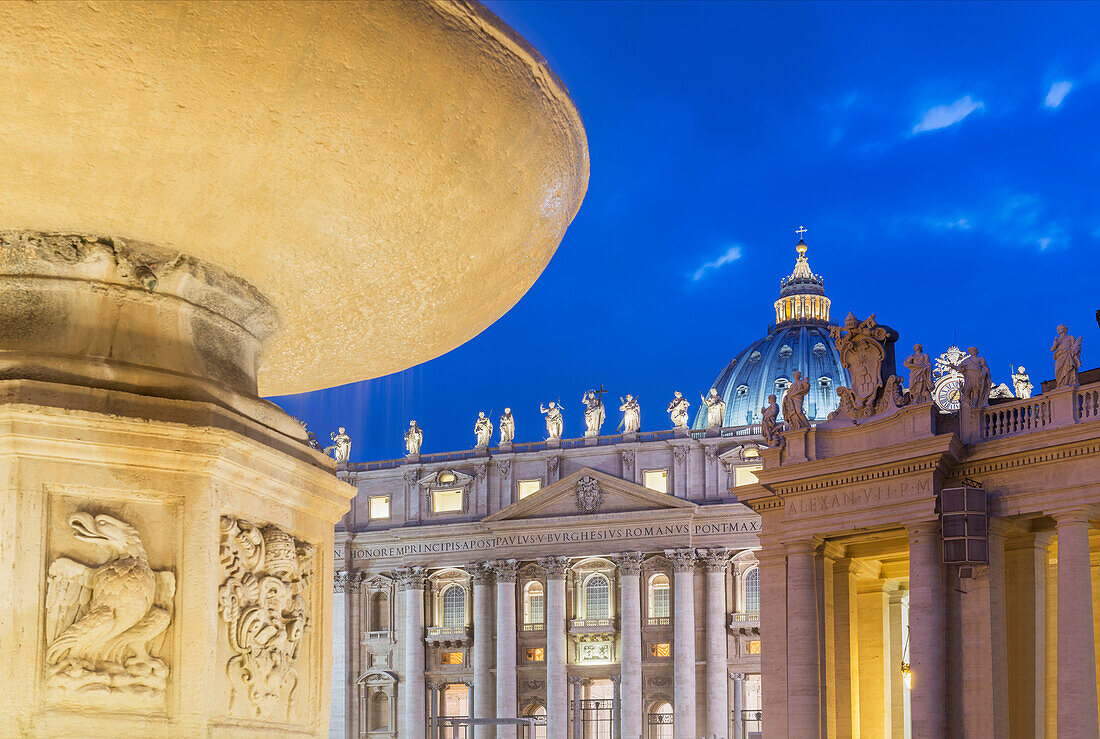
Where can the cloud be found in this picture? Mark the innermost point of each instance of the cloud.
(732, 255)
(1057, 93)
(943, 116)
(1013, 218)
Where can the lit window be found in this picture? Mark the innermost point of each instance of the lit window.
(752, 647)
(454, 606)
(752, 591)
(536, 711)
(750, 453)
(447, 501)
(746, 475)
(663, 649)
(446, 478)
(379, 507)
(656, 480)
(536, 655)
(534, 603)
(450, 658)
(529, 487)
(597, 597)
(658, 596)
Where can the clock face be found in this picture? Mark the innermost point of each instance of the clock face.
(946, 392)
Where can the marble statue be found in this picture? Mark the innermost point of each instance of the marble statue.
(1067, 358)
(414, 437)
(594, 412)
(341, 445)
(678, 410)
(263, 602)
(507, 427)
(311, 438)
(483, 429)
(919, 365)
(769, 423)
(716, 409)
(103, 620)
(632, 414)
(976, 380)
(554, 421)
(1021, 383)
(862, 348)
(793, 399)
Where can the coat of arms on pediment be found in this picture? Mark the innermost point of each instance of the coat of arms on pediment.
(866, 351)
(589, 494)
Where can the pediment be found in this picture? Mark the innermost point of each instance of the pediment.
(572, 496)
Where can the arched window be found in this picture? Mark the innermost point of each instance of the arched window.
(597, 597)
(742, 391)
(379, 711)
(454, 606)
(752, 591)
(380, 611)
(534, 603)
(535, 711)
(660, 721)
(781, 385)
(658, 596)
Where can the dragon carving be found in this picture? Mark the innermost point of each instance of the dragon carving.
(104, 622)
(262, 602)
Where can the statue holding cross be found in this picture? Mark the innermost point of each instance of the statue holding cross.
(594, 412)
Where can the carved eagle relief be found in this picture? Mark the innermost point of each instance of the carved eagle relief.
(103, 621)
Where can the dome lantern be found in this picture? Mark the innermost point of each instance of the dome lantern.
(801, 294)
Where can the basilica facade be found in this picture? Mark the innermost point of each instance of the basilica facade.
(607, 586)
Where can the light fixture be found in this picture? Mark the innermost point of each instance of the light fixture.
(907, 675)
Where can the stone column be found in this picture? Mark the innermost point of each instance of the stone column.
(803, 686)
(630, 620)
(616, 706)
(984, 665)
(1025, 594)
(557, 684)
(1077, 711)
(683, 618)
(738, 704)
(875, 659)
(715, 560)
(577, 684)
(926, 629)
(507, 696)
(411, 582)
(354, 645)
(845, 672)
(899, 704)
(483, 647)
(773, 634)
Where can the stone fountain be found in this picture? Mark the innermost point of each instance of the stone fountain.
(202, 203)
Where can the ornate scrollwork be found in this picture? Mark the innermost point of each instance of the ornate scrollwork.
(555, 566)
(589, 495)
(104, 623)
(262, 601)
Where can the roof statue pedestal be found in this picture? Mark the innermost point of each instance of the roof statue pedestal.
(194, 217)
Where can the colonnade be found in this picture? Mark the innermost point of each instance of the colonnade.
(499, 698)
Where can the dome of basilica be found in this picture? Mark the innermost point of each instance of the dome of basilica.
(798, 340)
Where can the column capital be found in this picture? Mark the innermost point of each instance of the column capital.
(555, 567)
(629, 563)
(921, 529)
(683, 560)
(410, 578)
(1071, 516)
(737, 676)
(481, 572)
(577, 680)
(715, 559)
(616, 678)
(505, 569)
(344, 581)
(801, 546)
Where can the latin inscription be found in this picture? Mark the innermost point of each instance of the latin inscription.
(854, 499)
(556, 537)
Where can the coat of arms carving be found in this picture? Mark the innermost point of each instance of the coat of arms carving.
(589, 495)
(263, 604)
(866, 351)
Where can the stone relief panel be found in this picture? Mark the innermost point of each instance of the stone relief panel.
(107, 611)
(263, 604)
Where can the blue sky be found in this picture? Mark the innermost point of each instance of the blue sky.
(944, 158)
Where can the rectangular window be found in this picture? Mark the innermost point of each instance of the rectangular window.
(656, 480)
(536, 655)
(450, 658)
(752, 647)
(663, 649)
(746, 475)
(529, 487)
(379, 507)
(447, 501)
(659, 603)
